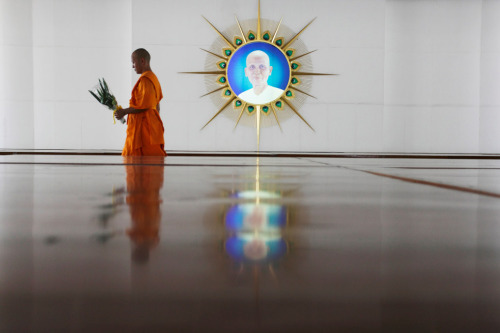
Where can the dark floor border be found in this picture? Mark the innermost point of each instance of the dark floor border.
(266, 154)
(435, 184)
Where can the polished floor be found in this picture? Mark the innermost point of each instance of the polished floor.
(246, 244)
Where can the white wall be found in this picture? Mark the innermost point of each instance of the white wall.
(74, 43)
(489, 116)
(16, 74)
(416, 76)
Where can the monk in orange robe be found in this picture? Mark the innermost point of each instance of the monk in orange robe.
(144, 126)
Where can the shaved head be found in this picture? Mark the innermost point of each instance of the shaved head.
(258, 70)
(257, 54)
(140, 61)
(142, 54)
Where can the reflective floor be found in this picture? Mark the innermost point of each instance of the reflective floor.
(241, 244)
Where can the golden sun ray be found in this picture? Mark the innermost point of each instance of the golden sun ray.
(258, 127)
(297, 113)
(303, 92)
(276, 32)
(220, 34)
(276, 116)
(300, 56)
(220, 110)
(239, 117)
(297, 35)
(305, 73)
(241, 30)
(205, 72)
(218, 89)
(258, 21)
(215, 54)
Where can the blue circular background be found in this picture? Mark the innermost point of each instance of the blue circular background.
(280, 75)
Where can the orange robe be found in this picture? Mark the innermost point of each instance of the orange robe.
(145, 130)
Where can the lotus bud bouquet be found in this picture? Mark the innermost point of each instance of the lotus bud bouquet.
(104, 96)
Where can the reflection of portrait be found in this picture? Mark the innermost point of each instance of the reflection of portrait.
(256, 249)
(250, 247)
(256, 231)
(257, 70)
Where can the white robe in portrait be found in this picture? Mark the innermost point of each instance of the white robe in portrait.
(268, 95)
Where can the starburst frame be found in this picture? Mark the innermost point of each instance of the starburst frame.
(274, 106)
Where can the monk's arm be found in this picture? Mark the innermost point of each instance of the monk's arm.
(119, 114)
(143, 95)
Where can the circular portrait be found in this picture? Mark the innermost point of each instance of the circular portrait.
(258, 73)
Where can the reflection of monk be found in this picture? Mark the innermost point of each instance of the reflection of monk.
(144, 125)
(258, 71)
(143, 186)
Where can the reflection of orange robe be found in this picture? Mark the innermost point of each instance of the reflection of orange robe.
(143, 186)
(145, 129)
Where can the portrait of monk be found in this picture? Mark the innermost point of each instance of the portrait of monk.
(257, 70)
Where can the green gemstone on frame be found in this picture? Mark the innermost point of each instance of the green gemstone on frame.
(279, 42)
(250, 109)
(278, 104)
(237, 103)
(239, 41)
(289, 53)
(295, 66)
(228, 92)
(294, 81)
(289, 93)
(222, 65)
(227, 52)
(265, 109)
(267, 36)
(251, 36)
(222, 80)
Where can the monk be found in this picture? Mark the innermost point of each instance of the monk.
(144, 126)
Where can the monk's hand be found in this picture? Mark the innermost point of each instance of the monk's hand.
(120, 113)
